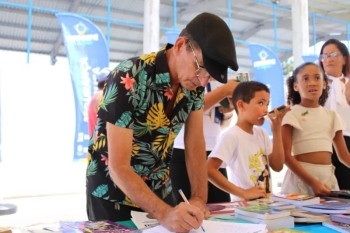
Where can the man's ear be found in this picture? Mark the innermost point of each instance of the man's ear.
(180, 43)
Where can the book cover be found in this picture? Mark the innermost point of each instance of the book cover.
(287, 230)
(262, 212)
(342, 218)
(329, 207)
(271, 224)
(273, 204)
(96, 226)
(303, 216)
(340, 227)
(224, 207)
(296, 199)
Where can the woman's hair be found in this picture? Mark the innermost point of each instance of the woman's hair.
(344, 51)
(293, 97)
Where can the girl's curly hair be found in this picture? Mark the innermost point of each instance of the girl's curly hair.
(293, 97)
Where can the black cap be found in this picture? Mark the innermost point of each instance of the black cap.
(216, 42)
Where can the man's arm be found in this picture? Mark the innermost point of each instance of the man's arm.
(215, 96)
(196, 158)
(183, 217)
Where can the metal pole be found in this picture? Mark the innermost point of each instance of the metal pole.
(314, 32)
(29, 27)
(174, 14)
(229, 14)
(108, 23)
(275, 28)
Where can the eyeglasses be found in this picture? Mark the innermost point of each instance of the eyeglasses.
(324, 57)
(201, 72)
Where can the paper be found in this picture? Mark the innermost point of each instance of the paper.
(142, 220)
(218, 227)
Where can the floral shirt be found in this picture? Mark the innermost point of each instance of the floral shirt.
(136, 94)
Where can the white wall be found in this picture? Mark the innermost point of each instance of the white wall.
(37, 127)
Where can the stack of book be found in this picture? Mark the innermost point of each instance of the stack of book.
(295, 199)
(340, 222)
(95, 227)
(272, 217)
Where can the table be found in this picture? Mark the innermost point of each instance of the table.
(317, 227)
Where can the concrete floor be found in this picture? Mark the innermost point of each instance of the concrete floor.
(45, 211)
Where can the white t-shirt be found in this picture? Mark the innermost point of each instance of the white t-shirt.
(337, 102)
(244, 154)
(211, 132)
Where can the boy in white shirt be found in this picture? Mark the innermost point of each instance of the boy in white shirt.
(244, 147)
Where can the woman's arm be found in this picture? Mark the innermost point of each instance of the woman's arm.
(341, 149)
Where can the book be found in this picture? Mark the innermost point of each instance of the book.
(271, 224)
(329, 207)
(287, 230)
(273, 204)
(261, 212)
(339, 227)
(96, 226)
(303, 216)
(227, 218)
(224, 207)
(295, 199)
(143, 219)
(342, 218)
(216, 227)
(342, 193)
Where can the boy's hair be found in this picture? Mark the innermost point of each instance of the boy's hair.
(344, 51)
(245, 91)
(293, 97)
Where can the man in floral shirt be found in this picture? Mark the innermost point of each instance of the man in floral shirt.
(146, 101)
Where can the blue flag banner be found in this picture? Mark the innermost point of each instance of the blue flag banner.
(87, 53)
(267, 69)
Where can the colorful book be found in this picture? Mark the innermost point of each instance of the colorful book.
(224, 207)
(339, 227)
(271, 224)
(342, 218)
(329, 207)
(303, 216)
(273, 204)
(96, 226)
(287, 230)
(261, 212)
(295, 199)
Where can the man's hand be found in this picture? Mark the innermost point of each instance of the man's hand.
(182, 218)
(254, 193)
(201, 205)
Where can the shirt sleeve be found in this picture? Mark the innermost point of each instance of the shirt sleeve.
(290, 119)
(338, 123)
(198, 99)
(120, 97)
(224, 149)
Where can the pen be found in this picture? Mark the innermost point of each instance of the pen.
(185, 199)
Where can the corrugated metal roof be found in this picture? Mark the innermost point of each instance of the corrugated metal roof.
(251, 21)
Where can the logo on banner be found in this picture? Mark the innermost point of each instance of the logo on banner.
(82, 38)
(264, 62)
(81, 28)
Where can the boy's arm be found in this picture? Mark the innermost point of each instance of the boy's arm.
(220, 181)
(276, 158)
(318, 187)
(341, 149)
